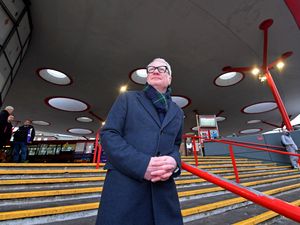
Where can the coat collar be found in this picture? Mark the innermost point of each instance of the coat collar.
(147, 104)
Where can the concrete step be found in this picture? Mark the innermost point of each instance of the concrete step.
(44, 176)
(57, 193)
(48, 166)
(46, 186)
(194, 211)
(205, 210)
(46, 196)
(249, 214)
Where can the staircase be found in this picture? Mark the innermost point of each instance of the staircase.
(69, 194)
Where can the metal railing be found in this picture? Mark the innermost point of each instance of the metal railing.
(274, 204)
(241, 144)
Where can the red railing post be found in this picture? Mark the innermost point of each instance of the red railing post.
(195, 151)
(236, 173)
(99, 156)
(96, 147)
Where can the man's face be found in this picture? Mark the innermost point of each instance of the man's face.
(10, 111)
(27, 122)
(158, 75)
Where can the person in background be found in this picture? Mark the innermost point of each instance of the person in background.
(291, 147)
(24, 135)
(141, 138)
(6, 118)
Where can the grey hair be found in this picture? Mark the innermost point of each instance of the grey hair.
(9, 107)
(163, 61)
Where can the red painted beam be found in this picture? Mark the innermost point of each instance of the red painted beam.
(294, 6)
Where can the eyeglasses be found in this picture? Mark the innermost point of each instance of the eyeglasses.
(160, 69)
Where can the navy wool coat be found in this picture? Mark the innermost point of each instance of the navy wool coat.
(132, 135)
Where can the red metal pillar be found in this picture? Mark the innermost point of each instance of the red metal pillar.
(264, 26)
(278, 100)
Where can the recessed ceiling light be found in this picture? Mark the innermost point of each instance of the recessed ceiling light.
(67, 104)
(80, 131)
(251, 131)
(228, 79)
(142, 73)
(227, 76)
(84, 119)
(220, 118)
(54, 76)
(139, 76)
(40, 122)
(56, 73)
(181, 101)
(253, 121)
(260, 107)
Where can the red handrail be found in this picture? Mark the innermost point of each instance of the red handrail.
(257, 144)
(242, 142)
(253, 147)
(274, 204)
(230, 143)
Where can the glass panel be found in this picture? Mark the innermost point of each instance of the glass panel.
(5, 90)
(68, 147)
(5, 26)
(89, 148)
(80, 147)
(51, 149)
(16, 67)
(13, 49)
(25, 48)
(58, 149)
(15, 7)
(42, 149)
(32, 149)
(24, 28)
(4, 71)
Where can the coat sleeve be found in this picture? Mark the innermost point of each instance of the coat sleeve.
(123, 157)
(3, 120)
(175, 153)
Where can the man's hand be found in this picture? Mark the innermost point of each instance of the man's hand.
(160, 168)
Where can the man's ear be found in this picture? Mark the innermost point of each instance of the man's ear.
(170, 80)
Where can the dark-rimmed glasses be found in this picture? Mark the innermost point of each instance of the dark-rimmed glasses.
(160, 69)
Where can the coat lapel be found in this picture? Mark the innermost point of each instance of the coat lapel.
(147, 104)
(170, 114)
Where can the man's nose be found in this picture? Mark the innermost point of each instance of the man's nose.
(156, 71)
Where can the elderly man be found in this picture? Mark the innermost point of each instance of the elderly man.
(290, 146)
(6, 118)
(141, 138)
